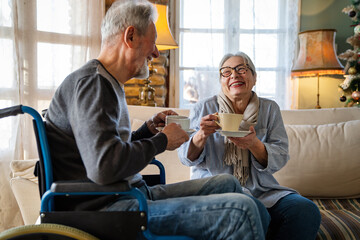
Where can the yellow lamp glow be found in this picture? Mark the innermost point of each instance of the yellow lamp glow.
(317, 56)
(164, 39)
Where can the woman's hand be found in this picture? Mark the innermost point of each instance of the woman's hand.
(207, 127)
(254, 145)
(245, 142)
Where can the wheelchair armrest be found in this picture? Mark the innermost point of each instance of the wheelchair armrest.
(88, 186)
(67, 188)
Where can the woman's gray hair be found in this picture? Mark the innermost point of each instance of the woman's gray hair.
(122, 14)
(244, 56)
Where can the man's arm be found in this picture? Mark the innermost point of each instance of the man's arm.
(102, 131)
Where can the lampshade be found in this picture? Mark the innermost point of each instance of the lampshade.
(317, 56)
(164, 39)
(317, 53)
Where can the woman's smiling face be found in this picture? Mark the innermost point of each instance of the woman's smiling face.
(237, 85)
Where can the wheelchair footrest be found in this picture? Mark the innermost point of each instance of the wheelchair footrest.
(103, 225)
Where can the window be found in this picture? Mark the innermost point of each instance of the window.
(208, 29)
(41, 42)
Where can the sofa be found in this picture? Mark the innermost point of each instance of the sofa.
(324, 166)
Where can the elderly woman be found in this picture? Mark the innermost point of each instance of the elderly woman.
(251, 159)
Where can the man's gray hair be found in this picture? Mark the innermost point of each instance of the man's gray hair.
(244, 56)
(122, 14)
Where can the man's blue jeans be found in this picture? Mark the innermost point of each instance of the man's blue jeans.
(207, 208)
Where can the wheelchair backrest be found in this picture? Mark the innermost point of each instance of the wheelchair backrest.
(44, 165)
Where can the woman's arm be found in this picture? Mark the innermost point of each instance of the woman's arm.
(271, 132)
(201, 116)
(197, 144)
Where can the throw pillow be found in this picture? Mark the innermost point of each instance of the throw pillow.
(324, 160)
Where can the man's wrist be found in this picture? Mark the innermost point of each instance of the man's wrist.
(151, 126)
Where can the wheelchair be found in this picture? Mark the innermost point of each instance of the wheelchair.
(86, 225)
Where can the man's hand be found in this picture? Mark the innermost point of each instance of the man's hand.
(175, 135)
(158, 120)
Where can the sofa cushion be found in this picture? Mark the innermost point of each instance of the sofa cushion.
(10, 215)
(144, 112)
(324, 160)
(24, 186)
(320, 116)
(339, 218)
(27, 196)
(24, 169)
(169, 159)
(136, 124)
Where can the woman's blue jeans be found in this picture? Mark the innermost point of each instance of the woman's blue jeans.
(294, 217)
(207, 208)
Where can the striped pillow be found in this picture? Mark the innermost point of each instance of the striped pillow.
(340, 219)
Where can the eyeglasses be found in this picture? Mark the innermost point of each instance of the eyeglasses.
(239, 69)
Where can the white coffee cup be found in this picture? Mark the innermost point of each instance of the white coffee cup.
(229, 121)
(183, 121)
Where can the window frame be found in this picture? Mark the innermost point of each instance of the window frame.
(25, 87)
(282, 90)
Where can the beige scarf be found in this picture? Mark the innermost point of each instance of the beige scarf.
(233, 155)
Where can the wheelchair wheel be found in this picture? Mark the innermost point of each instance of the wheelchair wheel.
(45, 232)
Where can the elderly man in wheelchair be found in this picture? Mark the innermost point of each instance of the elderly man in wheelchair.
(92, 181)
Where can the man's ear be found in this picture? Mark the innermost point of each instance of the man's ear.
(129, 36)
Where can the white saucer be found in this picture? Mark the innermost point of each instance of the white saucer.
(188, 130)
(159, 128)
(233, 134)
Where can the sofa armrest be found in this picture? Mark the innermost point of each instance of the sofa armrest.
(26, 193)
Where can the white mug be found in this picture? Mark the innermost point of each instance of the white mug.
(183, 121)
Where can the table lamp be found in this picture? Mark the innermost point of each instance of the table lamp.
(164, 41)
(317, 56)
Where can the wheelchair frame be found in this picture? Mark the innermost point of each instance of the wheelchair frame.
(71, 188)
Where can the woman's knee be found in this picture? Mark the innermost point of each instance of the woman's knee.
(305, 211)
(291, 213)
(310, 212)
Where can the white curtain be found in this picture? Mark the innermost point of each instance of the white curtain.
(265, 30)
(41, 41)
